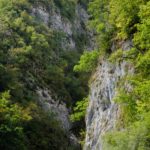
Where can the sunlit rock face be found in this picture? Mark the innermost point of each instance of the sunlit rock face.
(103, 112)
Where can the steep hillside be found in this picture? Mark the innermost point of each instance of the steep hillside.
(40, 43)
(118, 113)
(67, 63)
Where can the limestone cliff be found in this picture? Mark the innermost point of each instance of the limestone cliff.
(103, 112)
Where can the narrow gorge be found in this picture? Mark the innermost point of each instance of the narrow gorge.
(74, 74)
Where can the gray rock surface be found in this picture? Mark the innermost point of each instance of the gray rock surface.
(58, 108)
(103, 112)
(70, 28)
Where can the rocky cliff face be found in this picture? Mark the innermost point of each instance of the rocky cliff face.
(56, 22)
(57, 107)
(73, 32)
(103, 112)
(72, 29)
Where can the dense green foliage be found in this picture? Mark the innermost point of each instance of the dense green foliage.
(80, 110)
(67, 7)
(45, 132)
(88, 62)
(125, 20)
(32, 56)
(35, 54)
(12, 118)
(78, 116)
(99, 11)
(27, 128)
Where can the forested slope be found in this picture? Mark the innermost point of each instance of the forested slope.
(123, 29)
(40, 41)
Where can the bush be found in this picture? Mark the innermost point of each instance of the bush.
(88, 62)
(12, 118)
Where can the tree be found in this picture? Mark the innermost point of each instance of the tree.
(12, 118)
(88, 62)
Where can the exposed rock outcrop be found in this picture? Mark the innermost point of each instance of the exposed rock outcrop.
(58, 108)
(71, 29)
(103, 112)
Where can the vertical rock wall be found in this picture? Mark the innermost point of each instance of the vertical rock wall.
(103, 112)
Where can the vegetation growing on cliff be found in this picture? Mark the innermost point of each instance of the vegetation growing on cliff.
(31, 56)
(127, 20)
(88, 62)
